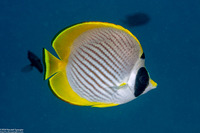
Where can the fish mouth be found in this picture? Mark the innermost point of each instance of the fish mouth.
(153, 84)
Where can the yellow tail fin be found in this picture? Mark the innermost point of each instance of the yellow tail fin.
(52, 64)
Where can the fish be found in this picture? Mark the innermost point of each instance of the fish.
(137, 19)
(35, 62)
(99, 64)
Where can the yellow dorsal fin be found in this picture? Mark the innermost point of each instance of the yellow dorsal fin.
(63, 42)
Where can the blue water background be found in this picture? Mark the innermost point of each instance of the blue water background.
(171, 42)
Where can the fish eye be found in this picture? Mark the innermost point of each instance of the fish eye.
(142, 81)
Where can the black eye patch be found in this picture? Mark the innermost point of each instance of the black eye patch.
(142, 81)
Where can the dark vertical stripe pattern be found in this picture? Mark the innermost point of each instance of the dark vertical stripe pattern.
(100, 59)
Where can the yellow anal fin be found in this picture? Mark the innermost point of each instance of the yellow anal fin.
(52, 64)
(62, 89)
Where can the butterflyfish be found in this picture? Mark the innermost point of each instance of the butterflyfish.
(100, 65)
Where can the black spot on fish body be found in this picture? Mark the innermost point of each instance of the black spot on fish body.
(142, 56)
(137, 19)
(142, 81)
